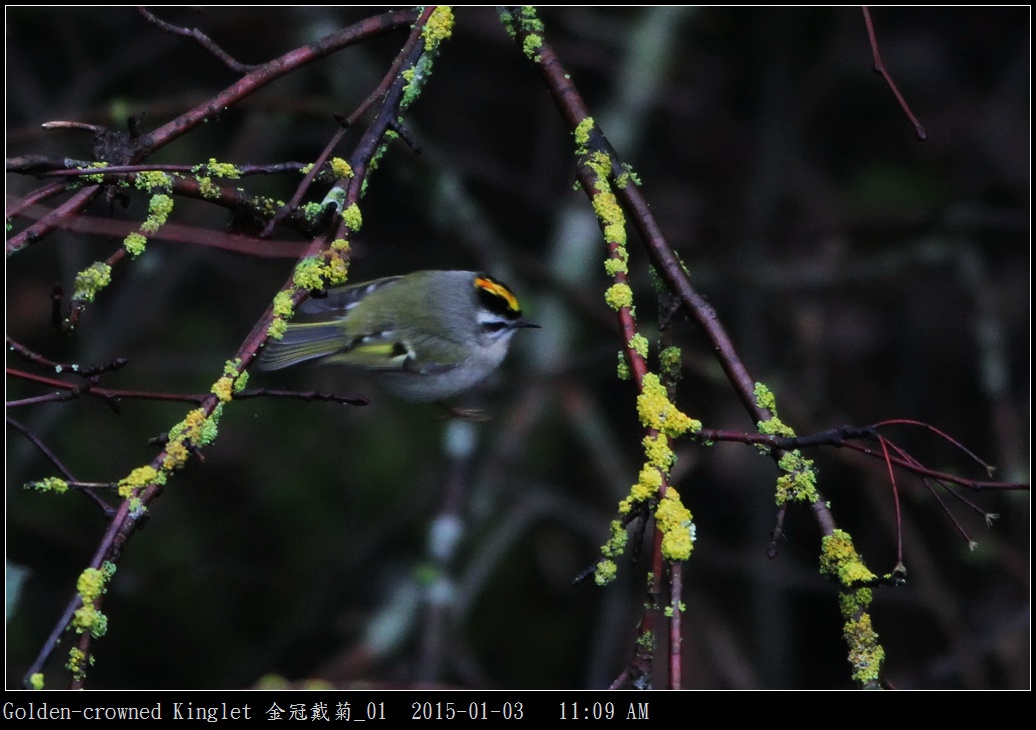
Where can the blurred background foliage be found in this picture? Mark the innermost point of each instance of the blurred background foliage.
(862, 274)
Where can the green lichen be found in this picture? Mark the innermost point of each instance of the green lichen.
(507, 20)
(658, 413)
(605, 572)
(278, 326)
(208, 189)
(159, 208)
(531, 46)
(600, 164)
(49, 484)
(309, 274)
(623, 367)
(774, 427)
(618, 296)
(94, 178)
(134, 244)
(582, 135)
(222, 169)
(91, 280)
(617, 265)
(311, 211)
(89, 619)
(646, 642)
(670, 363)
(838, 558)
(282, 304)
(639, 344)
(36, 680)
(616, 544)
(628, 176)
(798, 482)
(90, 586)
(152, 180)
(866, 655)
(764, 398)
(77, 663)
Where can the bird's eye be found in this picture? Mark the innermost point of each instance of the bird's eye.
(494, 326)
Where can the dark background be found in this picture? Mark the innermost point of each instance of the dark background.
(863, 275)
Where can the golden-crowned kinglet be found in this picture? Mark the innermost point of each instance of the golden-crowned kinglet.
(429, 334)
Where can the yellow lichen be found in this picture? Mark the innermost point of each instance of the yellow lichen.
(618, 296)
(90, 584)
(673, 520)
(138, 478)
(608, 210)
(639, 344)
(282, 304)
(336, 269)
(340, 169)
(438, 28)
(658, 453)
(36, 680)
(134, 244)
(176, 455)
(839, 558)
(91, 280)
(308, 274)
(619, 265)
(353, 217)
(223, 389)
(865, 653)
(798, 483)
(77, 663)
(657, 412)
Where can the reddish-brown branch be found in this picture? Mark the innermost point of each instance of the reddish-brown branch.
(879, 66)
(130, 511)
